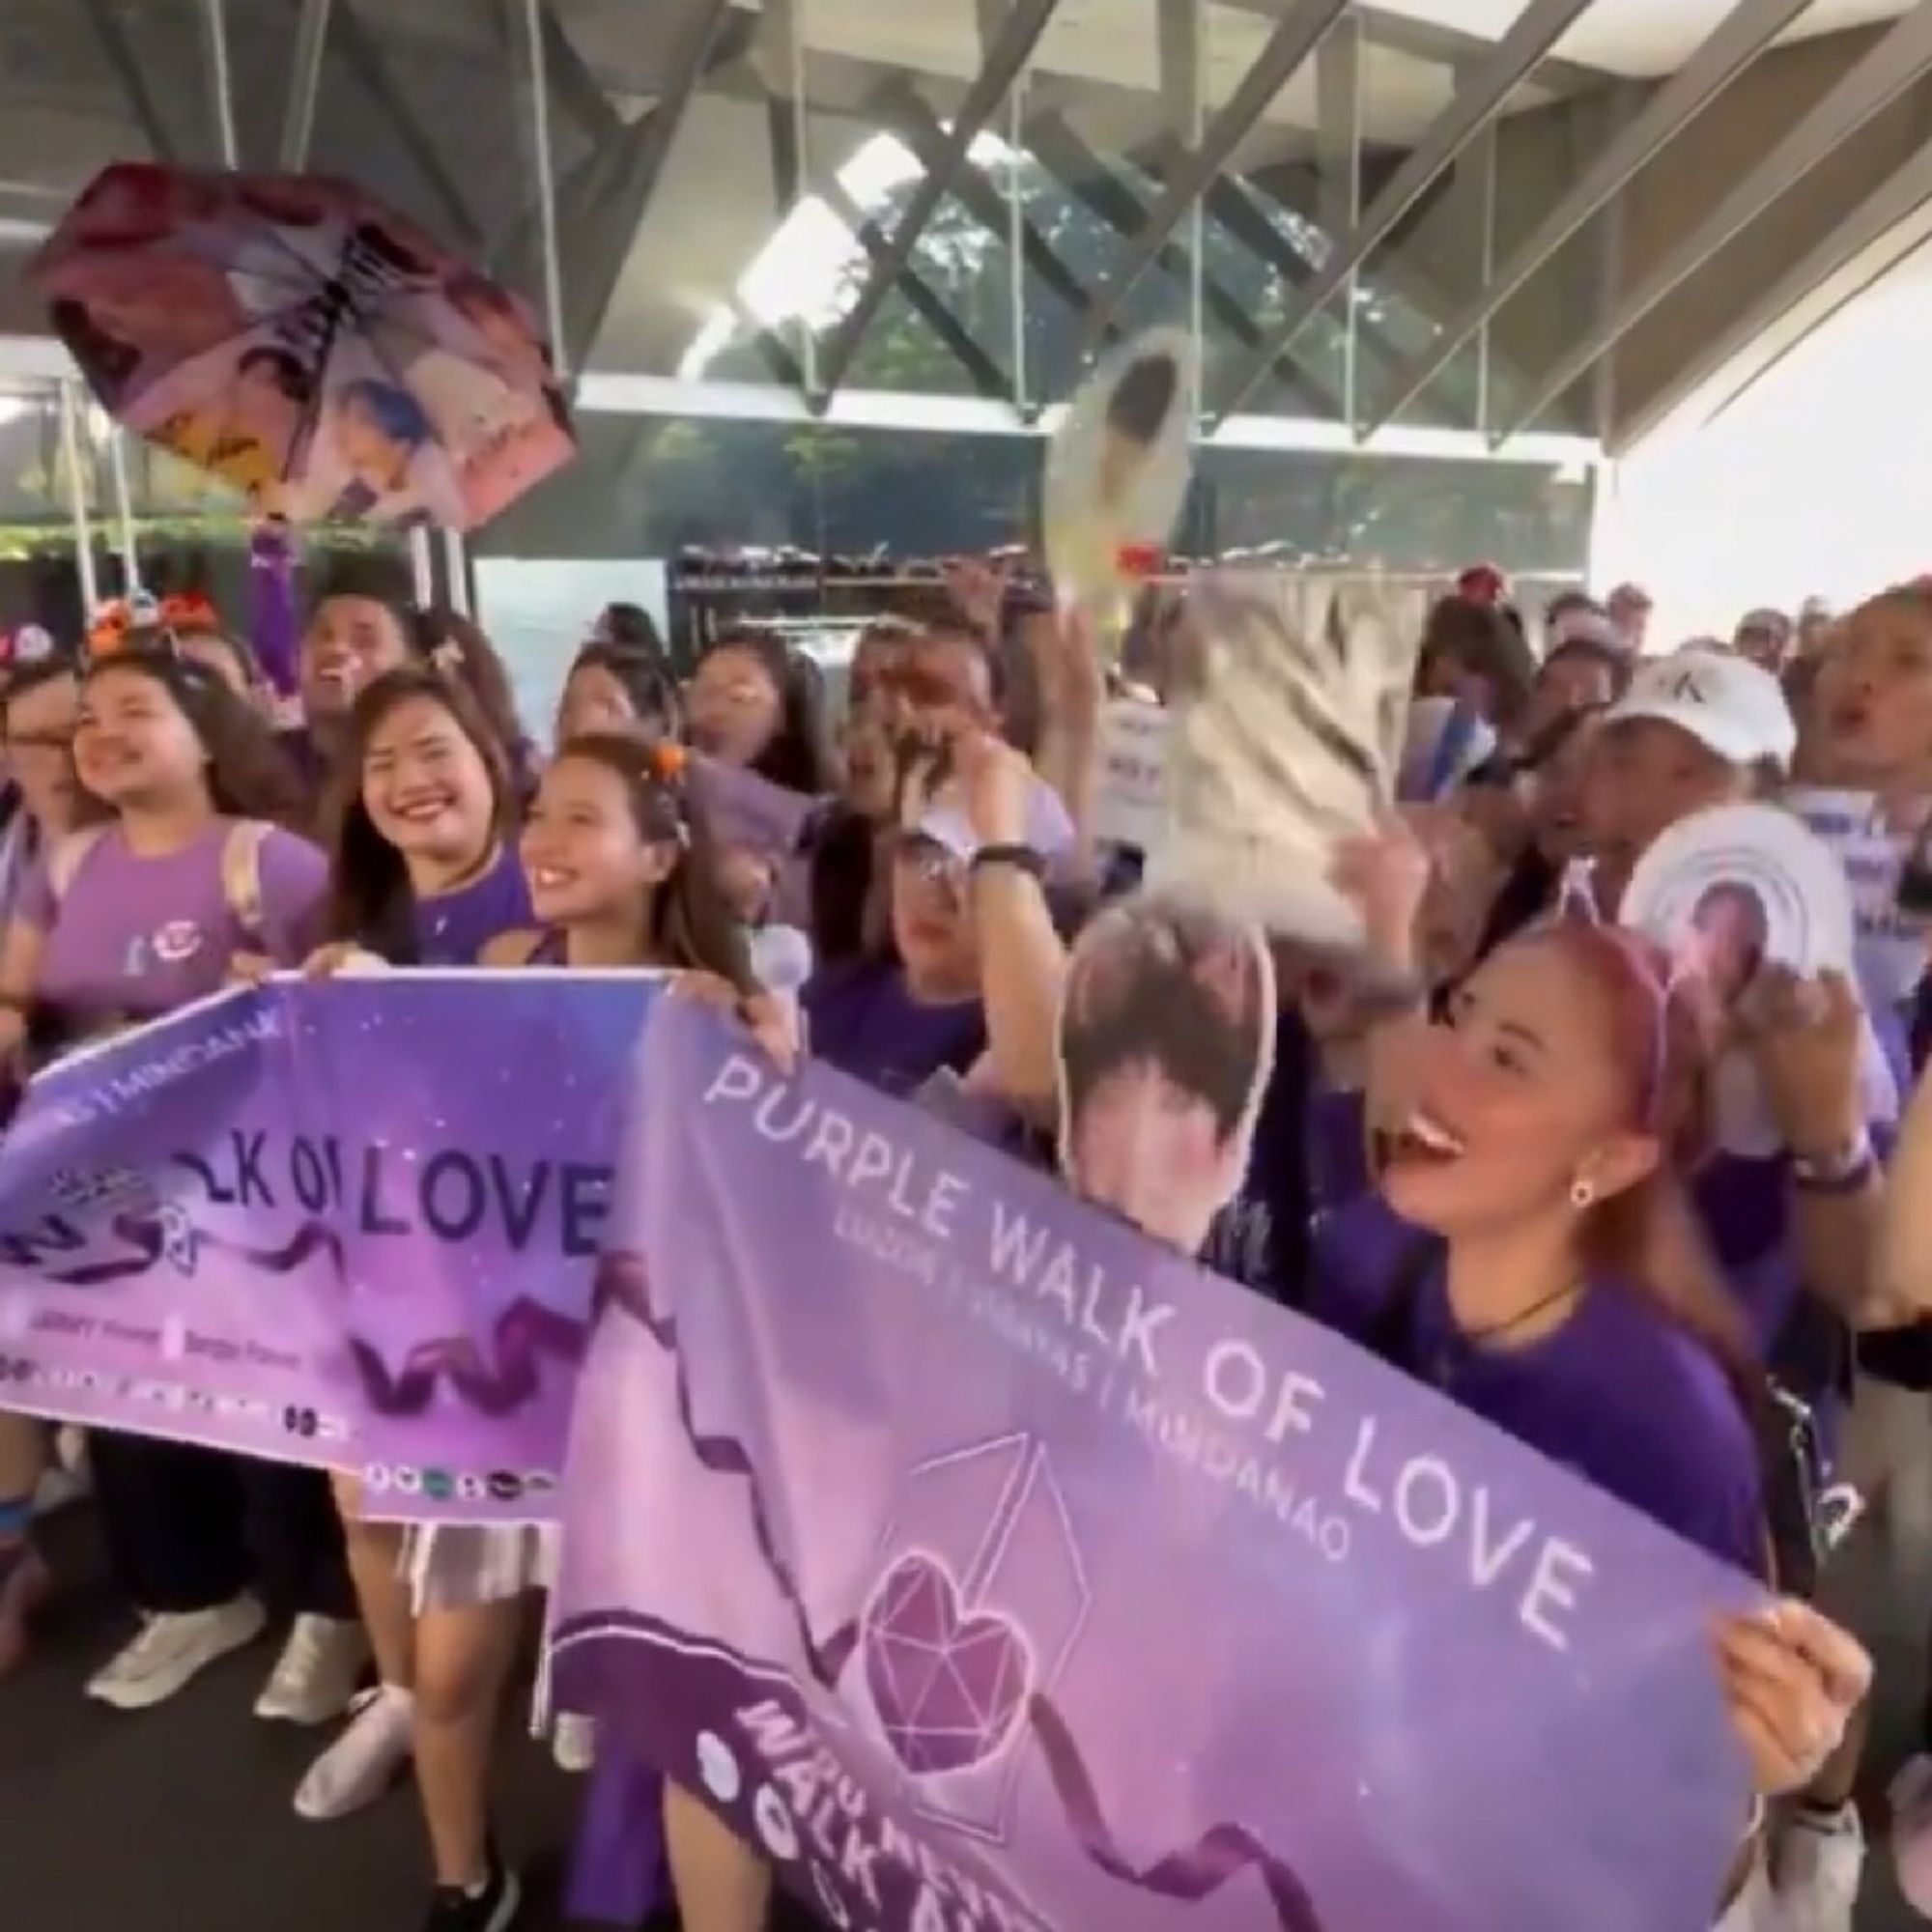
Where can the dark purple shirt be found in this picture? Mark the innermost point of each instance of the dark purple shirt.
(453, 928)
(1619, 1394)
(861, 1019)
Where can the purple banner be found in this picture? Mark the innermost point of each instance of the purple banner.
(316, 1223)
(985, 1566)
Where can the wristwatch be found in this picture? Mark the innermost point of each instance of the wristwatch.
(1021, 857)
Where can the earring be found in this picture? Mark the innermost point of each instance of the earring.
(1581, 1193)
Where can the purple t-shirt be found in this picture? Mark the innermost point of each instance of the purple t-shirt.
(453, 928)
(861, 1020)
(1619, 1394)
(132, 937)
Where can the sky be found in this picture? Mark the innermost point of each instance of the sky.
(1813, 482)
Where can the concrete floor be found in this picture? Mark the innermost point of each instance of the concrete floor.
(181, 1817)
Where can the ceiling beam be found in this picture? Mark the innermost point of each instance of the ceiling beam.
(1101, 191)
(1229, 204)
(1473, 105)
(1886, 72)
(1879, 234)
(357, 48)
(131, 74)
(1019, 35)
(580, 91)
(904, 110)
(607, 199)
(1446, 46)
(921, 297)
(1294, 38)
(311, 45)
(1730, 48)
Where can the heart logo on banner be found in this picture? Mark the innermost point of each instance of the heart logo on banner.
(949, 1688)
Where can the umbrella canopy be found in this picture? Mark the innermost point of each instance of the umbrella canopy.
(308, 346)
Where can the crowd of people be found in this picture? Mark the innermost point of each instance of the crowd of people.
(1636, 1220)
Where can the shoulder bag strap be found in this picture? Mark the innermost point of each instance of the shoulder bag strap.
(242, 875)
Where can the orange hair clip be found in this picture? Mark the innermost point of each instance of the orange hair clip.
(669, 762)
(108, 631)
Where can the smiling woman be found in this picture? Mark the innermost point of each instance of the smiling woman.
(1529, 1250)
(426, 871)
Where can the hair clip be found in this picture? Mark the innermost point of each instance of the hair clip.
(107, 632)
(446, 657)
(669, 762)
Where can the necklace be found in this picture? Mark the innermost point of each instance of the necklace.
(1523, 1317)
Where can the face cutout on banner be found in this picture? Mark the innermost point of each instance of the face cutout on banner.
(1166, 1043)
(1288, 720)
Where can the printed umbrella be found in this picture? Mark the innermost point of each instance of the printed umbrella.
(303, 343)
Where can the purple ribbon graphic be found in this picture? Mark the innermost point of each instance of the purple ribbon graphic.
(494, 1383)
(523, 1334)
(1186, 1875)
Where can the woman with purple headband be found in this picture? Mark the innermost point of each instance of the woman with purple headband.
(1529, 1247)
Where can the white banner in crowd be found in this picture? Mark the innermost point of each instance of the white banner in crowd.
(1891, 948)
(1131, 806)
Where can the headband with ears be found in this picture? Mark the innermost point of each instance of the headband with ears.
(154, 622)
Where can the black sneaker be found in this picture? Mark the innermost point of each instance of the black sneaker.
(493, 1909)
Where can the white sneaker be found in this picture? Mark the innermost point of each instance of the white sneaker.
(1816, 1866)
(172, 1651)
(316, 1675)
(364, 1761)
(573, 1743)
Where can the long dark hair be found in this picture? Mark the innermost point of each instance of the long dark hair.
(247, 777)
(370, 899)
(688, 925)
(799, 757)
(644, 676)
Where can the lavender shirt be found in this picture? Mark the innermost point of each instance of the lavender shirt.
(132, 937)
(1618, 1394)
(453, 928)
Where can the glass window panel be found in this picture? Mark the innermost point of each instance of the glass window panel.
(648, 488)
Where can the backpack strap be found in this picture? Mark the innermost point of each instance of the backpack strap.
(242, 875)
(1390, 1336)
(64, 860)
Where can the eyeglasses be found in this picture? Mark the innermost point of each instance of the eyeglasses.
(932, 863)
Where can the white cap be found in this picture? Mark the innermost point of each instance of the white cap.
(1730, 705)
(1049, 830)
(1585, 624)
